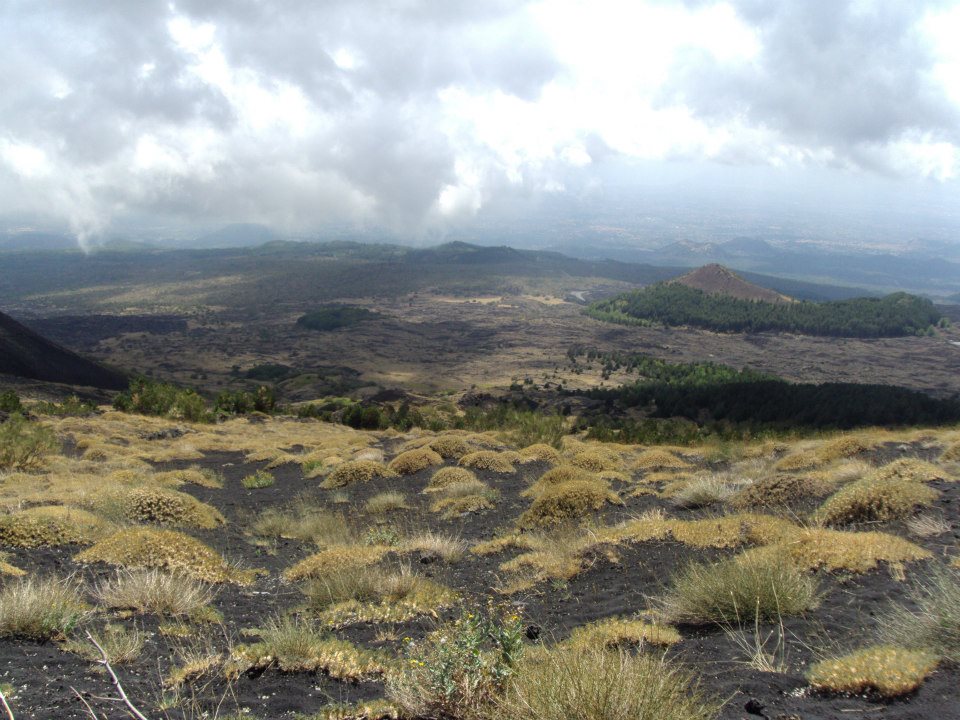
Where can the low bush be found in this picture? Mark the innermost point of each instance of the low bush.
(10, 402)
(154, 592)
(875, 499)
(595, 460)
(149, 397)
(51, 525)
(24, 444)
(450, 446)
(161, 506)
(933, 623)
(593, 684)
(413, 461)
(40, 608)
(141, 547)
(572, 500)
(71, 407)
(355, 471)
(461, 669)
(653, 460)
(885, 669)
(445, 477)
(488, 460)
(731, 591)
(258, 480)
(335, 558)
(556, 476)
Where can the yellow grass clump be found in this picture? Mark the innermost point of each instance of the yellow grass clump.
(885, 669)
(556, 476)
(653, 460)
(404, 597)
(558, 555)
(450, 446)
(802, 460)
(190, 476)
(845, 446)
(7, 569)
(912, 469)
(336, 557)
(570, 500)
(721, 532)
(952, 453)
(159, 505)
(140, 547)
(457, 506)
(615, 632)
(355, 471)
(50, 525)
(875, 499)
(413, 461)
(860, 552)
(779, 490)
(445, 477)
(595, 460)
(488, 460)
(539, 452)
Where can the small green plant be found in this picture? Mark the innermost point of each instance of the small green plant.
(764, 586)
(461, 669)
(23, 444)
(10, 402)
(150, 397)
(260, 479)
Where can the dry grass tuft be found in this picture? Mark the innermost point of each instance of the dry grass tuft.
(875, 499)
(952, 453)
(654, 460)
(933, 623)
(170, 550)
(540, 452)
(556, 555)
(564, 683)
(623, 633)
(834, 550)
(295, 645)
(557, 476)
(802, 460)
(445, 477)
(304, 522)
(154, 592)
(703, 492)
(489, 460)
(50, 525)
(927, 526)
(40, 608)
(887, 670)
(335, 558)
(386, 502)
(379, 597)
(596, 460)
(435, 546)
(413, 461)
(120, 644)
(571, 500)
(356, 471)
(750, 586)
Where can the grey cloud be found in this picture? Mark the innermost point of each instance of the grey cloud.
(378, 148)
(833, 74)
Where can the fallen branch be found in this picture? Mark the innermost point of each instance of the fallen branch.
(3, 699)
(116, 681)
(85, 703)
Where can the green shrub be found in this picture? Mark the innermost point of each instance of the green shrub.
(150, 397)
(262, 400)
(259, 479)
(10, 402)
(71, 407)
(761, 587)
(333, 317)
(597, 684)
(461, 669)
(23, 444)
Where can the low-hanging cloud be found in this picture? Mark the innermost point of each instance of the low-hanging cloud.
(301, 114)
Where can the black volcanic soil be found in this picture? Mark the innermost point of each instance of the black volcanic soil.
(44, 677)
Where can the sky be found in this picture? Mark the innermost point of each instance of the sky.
(419, 116)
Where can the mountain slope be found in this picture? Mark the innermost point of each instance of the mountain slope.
(717, 280)
(24, 353)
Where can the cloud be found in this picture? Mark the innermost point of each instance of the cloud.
(416, 114)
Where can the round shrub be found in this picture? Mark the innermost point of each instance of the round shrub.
(488, 460)
(567, 501)
(413, 461)
(445, 477)
(50, 525)
(354, 471)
